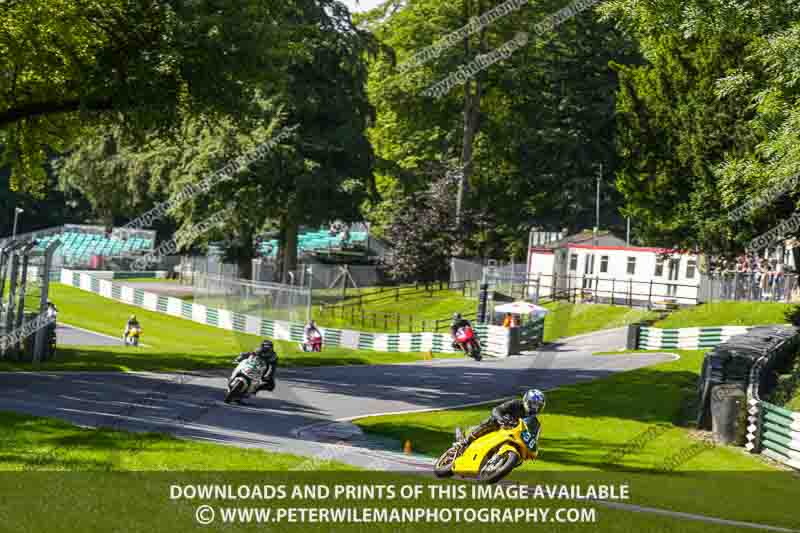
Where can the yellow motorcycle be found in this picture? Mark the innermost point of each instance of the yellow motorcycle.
(491, 457)
(132, 338)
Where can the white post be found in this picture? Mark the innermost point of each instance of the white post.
(628, 234)
(17, 211)
(597, 205)
(310, 294)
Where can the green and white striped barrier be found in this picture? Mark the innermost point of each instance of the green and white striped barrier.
(687, 338)
(495, 339)
(774, 432)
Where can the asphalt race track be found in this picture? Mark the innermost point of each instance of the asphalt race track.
(306, 414)
(70, 335)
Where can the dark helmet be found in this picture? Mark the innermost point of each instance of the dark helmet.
(266, 346)
(456, 316)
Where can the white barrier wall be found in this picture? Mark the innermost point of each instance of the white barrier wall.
(495, 339)
(687, 338)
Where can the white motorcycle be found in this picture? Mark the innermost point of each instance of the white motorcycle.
(246, 378)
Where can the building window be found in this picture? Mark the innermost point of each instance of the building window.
(631, 265)
(659, 267)
(573, 262)
(691, 266)
(604, 264)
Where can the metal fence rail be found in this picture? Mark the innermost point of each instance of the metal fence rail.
(544, 288)
(748, 286)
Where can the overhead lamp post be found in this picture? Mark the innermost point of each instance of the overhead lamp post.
(597, 205)
(17, 211)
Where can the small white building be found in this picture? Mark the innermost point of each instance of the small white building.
(605, 269)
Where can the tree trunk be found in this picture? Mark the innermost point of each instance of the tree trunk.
(245, 257)
(289, 230)
(277, 275)
(472, 108)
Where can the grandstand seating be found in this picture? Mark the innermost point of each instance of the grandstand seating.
(83, 246)
(77, 246)
(314, 241)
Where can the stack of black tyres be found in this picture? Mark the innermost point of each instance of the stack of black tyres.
(726, 372)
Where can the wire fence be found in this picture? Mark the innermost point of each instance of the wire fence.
(361, 319)
(275, 301)
(354, 312)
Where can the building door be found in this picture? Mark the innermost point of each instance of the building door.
(672, 276)
(588, 270)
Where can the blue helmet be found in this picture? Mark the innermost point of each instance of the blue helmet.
(534, 401)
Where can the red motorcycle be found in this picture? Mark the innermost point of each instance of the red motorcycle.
(313, 344)
(467, 341)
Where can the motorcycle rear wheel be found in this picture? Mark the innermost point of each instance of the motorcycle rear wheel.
(497, 467)
(444, 466)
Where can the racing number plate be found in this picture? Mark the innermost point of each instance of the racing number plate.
(528, 438)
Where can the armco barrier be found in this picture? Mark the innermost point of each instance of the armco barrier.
(687, 338)
(774, 432)
(495, 339)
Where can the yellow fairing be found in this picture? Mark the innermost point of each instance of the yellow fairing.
(502, 440)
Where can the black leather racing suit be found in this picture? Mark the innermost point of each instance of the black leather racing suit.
(457, 325)
(510, 411)
(271, 359)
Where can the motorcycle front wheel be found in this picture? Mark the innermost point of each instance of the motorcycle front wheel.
(444, 466)
(235, 390)
(475, 351)
(497, 467)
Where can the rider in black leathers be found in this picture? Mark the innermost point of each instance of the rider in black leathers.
(507, 414)
(267, 353)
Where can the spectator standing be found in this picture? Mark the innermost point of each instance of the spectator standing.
(778, 282)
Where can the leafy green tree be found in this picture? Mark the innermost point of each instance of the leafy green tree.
(673, 129)
(144, 64)
(424, 232)
(711, 121)
(529, 132)
(319, 172)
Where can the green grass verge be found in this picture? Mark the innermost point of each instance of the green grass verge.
(586, 422)
(568, 319)
(726, 314)
(174, 343)
(413, 309)
(29, 443)
(96, 480)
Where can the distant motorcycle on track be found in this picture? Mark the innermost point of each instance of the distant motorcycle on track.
(468, 341)
(313, 344)
(132, 338)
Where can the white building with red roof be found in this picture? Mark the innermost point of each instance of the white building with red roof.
(604, 268)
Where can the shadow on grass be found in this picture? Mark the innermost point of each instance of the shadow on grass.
(120, 359)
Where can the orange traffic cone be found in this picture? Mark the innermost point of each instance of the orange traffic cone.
(407, 447)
